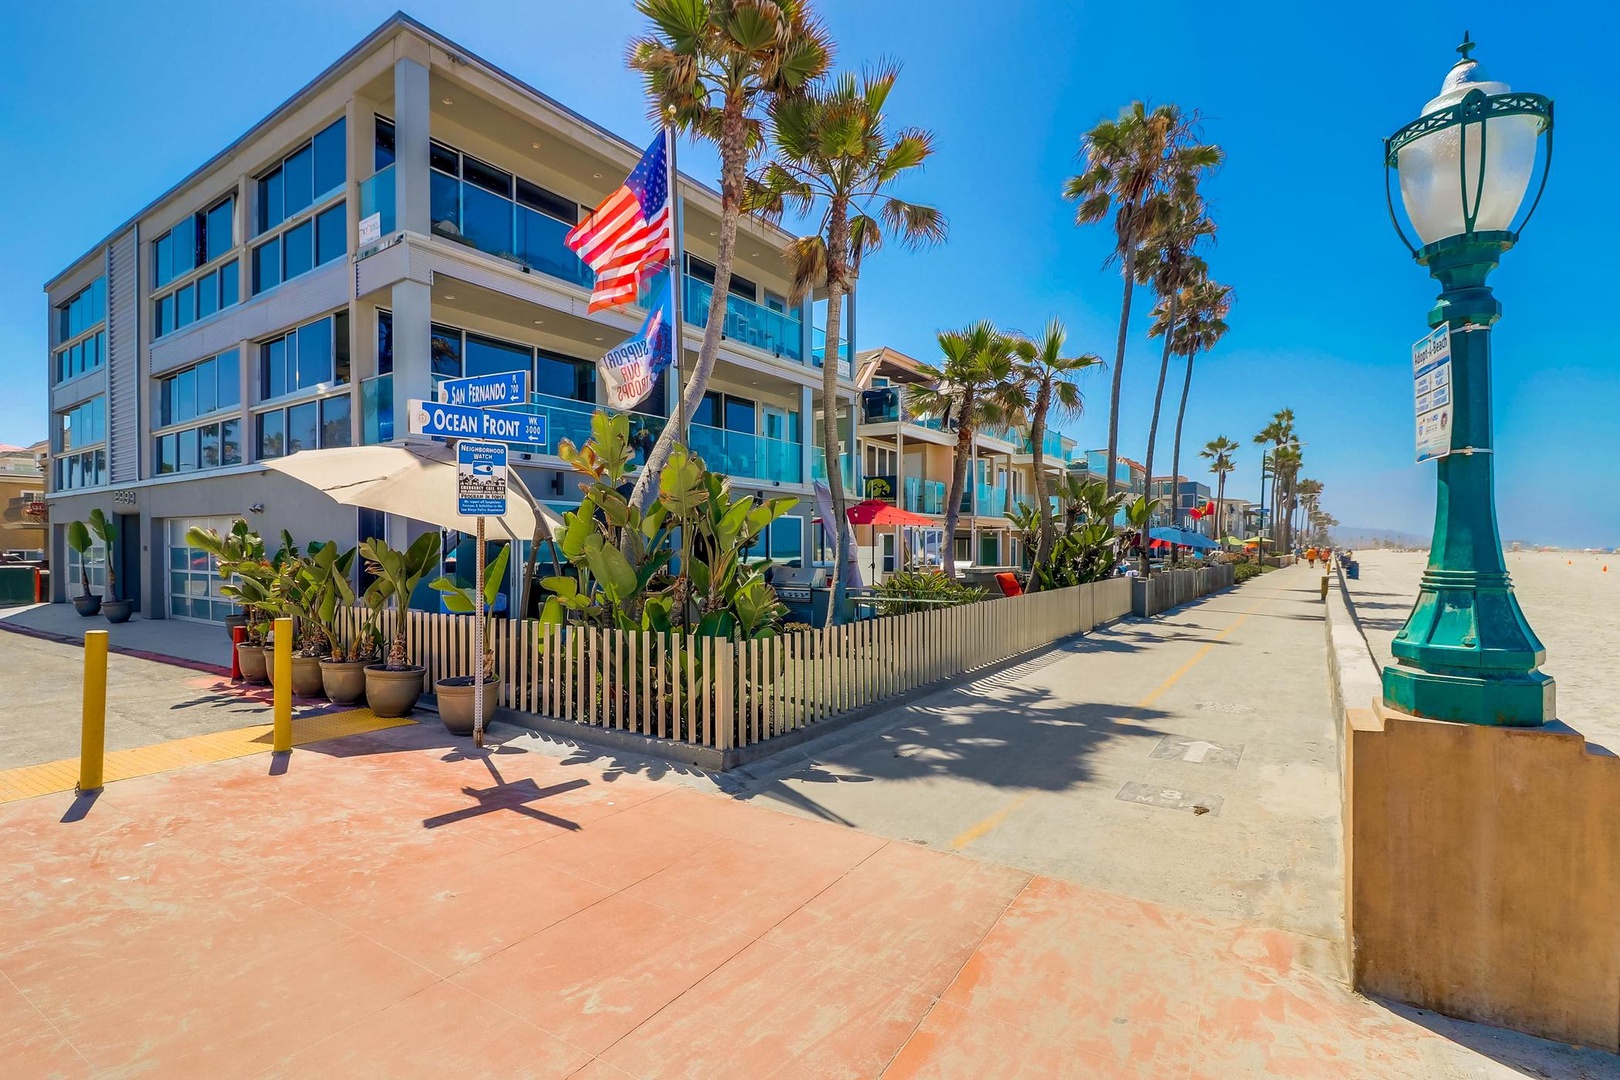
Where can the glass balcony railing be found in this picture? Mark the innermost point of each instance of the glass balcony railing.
(753, 457)
(992, 501)
(1051, 446)
(377, 410)
(883, 406)
(467, 214)
(818, 350)
(780, 333)
(924, 496)
(571, 420)
(377, 197)
(818, 469)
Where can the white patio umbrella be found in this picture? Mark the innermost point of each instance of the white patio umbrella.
(410, 481)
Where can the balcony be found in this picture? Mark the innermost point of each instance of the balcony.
(924, 496)
(818, 469)
(779, 333)
(377, 197)
(465, 213)
(818, 351)
(992, 501)
(883, 407)
(377, 410)
(752, 457)
(1051, 446)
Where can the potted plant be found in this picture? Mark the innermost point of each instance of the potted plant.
(456, 695)
(106, 531)
(78, 538)
(392, 687)
(239, 560)
(295, 592)
(343, 668)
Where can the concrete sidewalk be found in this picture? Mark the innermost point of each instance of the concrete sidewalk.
(190, 643)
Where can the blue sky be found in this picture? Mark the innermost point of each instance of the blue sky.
(1299, 95)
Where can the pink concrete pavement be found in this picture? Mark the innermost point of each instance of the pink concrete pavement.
(391, 906)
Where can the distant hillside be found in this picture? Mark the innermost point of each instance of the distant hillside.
(1352, 536)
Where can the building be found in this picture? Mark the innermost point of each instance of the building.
(907, 457)
(397, 222)
(1233, 518)
(1177, 500)
(22, 500)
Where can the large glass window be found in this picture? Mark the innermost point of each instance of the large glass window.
(82, 356)
(207, 446)
(212, 292)
(303, 247)
(486, 356)
(446, 351)
(194, 241)
(315, 354)
(212, 384)
(564, 376)
(267, 265)
(303, 178)
(383, 155)
(219, 229)
(308, 425)
(488, 208)
(85, 309)
(331, 234)
(81, 351)
(298, 250)
(83, 425)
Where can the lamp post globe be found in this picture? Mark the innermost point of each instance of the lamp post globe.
(1465, 166)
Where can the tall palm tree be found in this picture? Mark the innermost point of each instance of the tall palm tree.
(1220, 451)
(1277, 434)
(1309, 493)
(711, 68)
(973, 386)
(1127, 164)
(834, 148)
(1045, 386)
(1287, 460)
(1181, 227)
(1205, 306)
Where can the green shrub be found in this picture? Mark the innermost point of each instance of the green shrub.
(928, 585)
(1247, 570)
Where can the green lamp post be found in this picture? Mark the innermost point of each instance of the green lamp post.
(1466, 652)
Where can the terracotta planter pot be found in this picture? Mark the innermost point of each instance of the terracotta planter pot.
(456, 703)
(87, 604)
(393, 693)
(306, 680)
(250, 658)
(345, 682)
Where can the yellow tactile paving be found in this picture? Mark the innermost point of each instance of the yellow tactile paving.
(56, 776)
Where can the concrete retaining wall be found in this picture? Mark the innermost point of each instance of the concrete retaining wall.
(1172, 588)
(1482, 864)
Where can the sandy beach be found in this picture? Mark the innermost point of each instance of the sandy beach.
(1572, 603)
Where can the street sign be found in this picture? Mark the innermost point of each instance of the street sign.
(502, 388)
(464, 422)
(480, 479)
(1431, 393)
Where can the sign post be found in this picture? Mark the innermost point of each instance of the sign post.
(1431, 393)
(480, 491)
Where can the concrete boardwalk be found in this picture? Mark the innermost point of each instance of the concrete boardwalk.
(393, 904)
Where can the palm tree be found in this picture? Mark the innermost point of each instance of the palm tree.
(1286, 459)
(834, 147)
(973, 386)
(1277, 434)
(1205, 306)
(710, 68)
(1180, 227)
(1045, 385)
(1309, 493)
(1128, 163)
(1219, 451)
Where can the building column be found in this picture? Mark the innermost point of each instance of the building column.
(807, 442)
(412, 111)
(412, 303)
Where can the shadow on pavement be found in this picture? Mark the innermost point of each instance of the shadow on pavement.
(1524, 1054)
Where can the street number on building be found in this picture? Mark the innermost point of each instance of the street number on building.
(480, 479)
(1431, 393)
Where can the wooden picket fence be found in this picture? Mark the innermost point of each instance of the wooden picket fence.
(723, 694)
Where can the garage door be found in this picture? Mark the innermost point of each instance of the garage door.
(193, 586)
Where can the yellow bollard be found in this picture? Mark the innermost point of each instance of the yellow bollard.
(281, 741)
(93, 719)
(1324, 586)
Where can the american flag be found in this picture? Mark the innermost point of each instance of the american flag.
(630, 232)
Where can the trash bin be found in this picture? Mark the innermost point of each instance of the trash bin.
(1353, 569)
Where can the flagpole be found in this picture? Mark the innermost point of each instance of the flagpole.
(677, 280)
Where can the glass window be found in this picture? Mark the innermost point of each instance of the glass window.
(486, 176)
(271, 428)
(187, 458)
(708, 410)
(230, 442)
(564, 377)
(167, 454)
(230, 287)
(219, 229)
(340, 347)
(486, 220)
(298, 244)
(267, 266)
(165, 316)
(185, 396)
(209, 453)
(446, 349)
(207, 294)
(298, 181)
(787, 538)
(486, 356)
(444, 204)
(163, 259)
(444, 159)
(385, 342)
(314, 354)
(331, 234)
(384, 154)
(302, 427)
(228, 379)
(331, 156)
(205, 387)
(270, 201)
(273, 368)
(185, 306)
(335, 421)
(538, 198)
(740, 415)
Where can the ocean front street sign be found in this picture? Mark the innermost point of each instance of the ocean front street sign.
(480, 479)
(462, 422)
(501, 388)
(1431, 393)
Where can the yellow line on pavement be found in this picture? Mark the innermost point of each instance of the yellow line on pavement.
(1197, 656)
(990, 822)
(52, 777)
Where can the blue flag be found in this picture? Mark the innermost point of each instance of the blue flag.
(629, 371)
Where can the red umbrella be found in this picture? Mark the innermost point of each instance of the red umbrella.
(878, 512)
